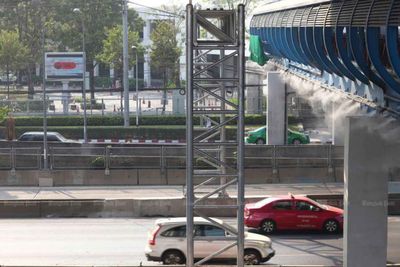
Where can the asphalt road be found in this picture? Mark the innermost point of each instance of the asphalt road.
(103, 242)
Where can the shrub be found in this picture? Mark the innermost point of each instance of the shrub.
(120, 132)
(103, 82)
(118, 120)
(98, 162)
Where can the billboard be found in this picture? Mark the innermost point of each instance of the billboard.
(64, 66)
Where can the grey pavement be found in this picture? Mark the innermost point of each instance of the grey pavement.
(167, 192)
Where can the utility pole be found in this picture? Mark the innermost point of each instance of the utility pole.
(78, 11)
(125, 62)
(45, 148)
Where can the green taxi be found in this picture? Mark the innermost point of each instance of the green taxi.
(258, 136)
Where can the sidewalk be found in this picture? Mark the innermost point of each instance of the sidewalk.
(152, 201)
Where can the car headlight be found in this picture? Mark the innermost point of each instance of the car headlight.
(267, 245)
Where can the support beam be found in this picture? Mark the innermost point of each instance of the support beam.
(275, 109)
(372, 149)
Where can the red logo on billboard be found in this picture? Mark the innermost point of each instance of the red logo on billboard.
(64, 65)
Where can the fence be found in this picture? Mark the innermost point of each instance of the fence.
(166, 157)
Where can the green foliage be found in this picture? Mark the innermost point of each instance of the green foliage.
(112, 47)
(105, 82)
(118, 120)
(93, 105)
(3, 113)
(132, 84)
(120, 132)
(12, 51)
(164, 50)
(63, 28)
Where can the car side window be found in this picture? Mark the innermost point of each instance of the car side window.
(282, 205)
(211, 230)
(303, 205)
(52, 138)
(179, 231)
(26, 137)
(37, 138)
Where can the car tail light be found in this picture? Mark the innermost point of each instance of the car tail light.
(153, 234)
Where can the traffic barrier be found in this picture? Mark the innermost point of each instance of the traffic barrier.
(155, 207)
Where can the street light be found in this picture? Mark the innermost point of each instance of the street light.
(43, 43)
(137, 84)
(78, 11)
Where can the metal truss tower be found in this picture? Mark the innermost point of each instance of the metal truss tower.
(215, 92)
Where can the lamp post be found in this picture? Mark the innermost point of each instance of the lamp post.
(78, 11)
(43, 42)
(137, 84)
(125, 62)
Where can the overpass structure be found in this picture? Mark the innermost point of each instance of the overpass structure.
(351, 46)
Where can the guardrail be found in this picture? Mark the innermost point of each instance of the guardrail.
(166, 157)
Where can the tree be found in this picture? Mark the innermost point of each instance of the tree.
(112, 48)
(165, 53)
(12, 53)
(25, 16)
(3, 113)
(96, 16)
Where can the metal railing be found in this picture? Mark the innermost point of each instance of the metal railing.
(165, 157)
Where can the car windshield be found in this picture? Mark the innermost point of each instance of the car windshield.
(264, 202)
(260, 129)
(60, 137)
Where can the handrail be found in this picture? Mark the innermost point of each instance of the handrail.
(163, 157)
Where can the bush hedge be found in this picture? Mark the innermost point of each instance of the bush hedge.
(118, 120)
(143, 132)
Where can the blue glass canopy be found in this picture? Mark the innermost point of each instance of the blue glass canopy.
(354, 39)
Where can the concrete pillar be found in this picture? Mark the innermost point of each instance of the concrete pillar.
(111, 71)
(371, 150)
(96, 68)
(147, 70)
(147, 42)
(178, 103)
(275, 109)
(37, 69)
(254, 75)
(65, 96)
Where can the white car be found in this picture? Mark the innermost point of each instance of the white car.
(167, 242)
(51, 137)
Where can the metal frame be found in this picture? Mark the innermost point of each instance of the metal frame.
(210, 78)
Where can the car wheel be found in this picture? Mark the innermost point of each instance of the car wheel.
(252, 257)
(268, 227)
(331, 226)
(260, 141)
(296, 142)
(173, 257)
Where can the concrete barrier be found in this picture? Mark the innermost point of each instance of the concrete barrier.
(155, 207)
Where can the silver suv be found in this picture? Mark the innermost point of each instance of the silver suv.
(167, 242)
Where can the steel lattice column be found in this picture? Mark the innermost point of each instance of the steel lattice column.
(215, 92)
